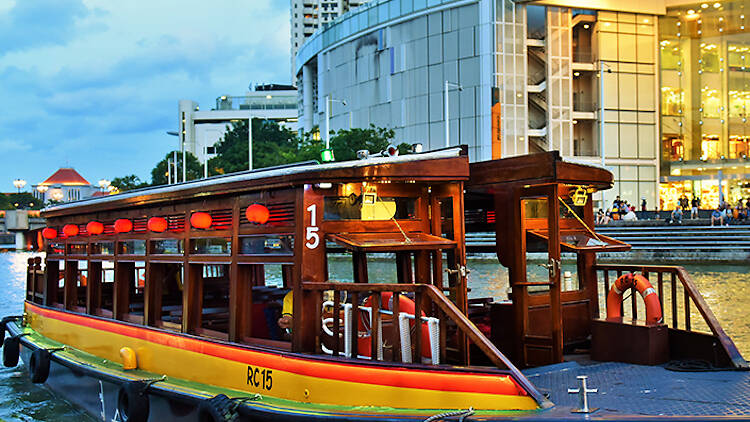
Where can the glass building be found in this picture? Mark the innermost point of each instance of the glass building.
(705, 97)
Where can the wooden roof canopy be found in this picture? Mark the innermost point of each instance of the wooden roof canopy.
(442, 165)
(546, 167)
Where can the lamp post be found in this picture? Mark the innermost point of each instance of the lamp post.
(250, 143)
(448, 86)
(19, 184)
(601, 106)
(42, 189)
(182, 143)
(104, 184)
(330, 100)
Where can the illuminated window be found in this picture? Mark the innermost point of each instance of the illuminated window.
(671, 101)
(738, 146)
(711, 102)
(670, 55)
(710, 58)
(674, 147)
(710, 148)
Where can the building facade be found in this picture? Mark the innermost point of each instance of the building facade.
(705, 97)
(307, 16)
(505, 78)
(64, 185)
(199, 130)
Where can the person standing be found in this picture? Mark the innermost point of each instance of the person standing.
(694, 207)
(643, 204)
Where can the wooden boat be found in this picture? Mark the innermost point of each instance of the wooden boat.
(164, 303)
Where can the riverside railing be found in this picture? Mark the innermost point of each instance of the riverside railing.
(679, 303)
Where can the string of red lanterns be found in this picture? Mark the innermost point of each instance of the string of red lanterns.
(255, 213)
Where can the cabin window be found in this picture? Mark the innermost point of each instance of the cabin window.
(133, 247)
(368, 207)
(267, 244)
(103, 248)
(267, 284)
(165, 284)
(77, 249)
(56, 248)
(535, 208)
(56, 283)
(137, 291)
(167, 247)
(81, 286)
(211, 246)
(101, 288)
(129, 291)
(215, 300)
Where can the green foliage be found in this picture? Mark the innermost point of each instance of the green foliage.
(128, 182)
(345, 143)
(23, 200)
(273, 145)
(159, 173)
(5, 203)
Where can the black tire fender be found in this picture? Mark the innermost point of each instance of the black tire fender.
(39, 366)
(11, 351)
(219, 408)
(132, 401)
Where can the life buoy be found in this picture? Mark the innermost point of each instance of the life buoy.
(405, 305)
(11, 350)
(650, 298)
(132, 401)
(39, 366)
(219, 408)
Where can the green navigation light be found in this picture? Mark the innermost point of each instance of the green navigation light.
(326, 155)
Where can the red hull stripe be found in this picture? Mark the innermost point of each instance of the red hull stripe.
(402, 377)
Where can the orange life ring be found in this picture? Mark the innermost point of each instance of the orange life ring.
(405, 305)
(650, 298)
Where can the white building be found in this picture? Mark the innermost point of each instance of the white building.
(529, 74)
(307, 16)
(64, 185)
(200, 130)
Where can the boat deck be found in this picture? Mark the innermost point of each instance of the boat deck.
(629, 390)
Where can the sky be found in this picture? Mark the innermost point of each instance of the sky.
(94, 84)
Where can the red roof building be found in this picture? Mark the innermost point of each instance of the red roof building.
(66, 177)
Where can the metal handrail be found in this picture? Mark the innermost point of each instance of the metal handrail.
(691, 293)
(448, 309)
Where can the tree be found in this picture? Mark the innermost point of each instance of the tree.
(24, 201)
(346, 143)
(273, 145)
(128, 182)
(159, 173)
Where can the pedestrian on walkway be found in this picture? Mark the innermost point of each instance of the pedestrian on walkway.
(717, 215)
(676, 215)
(695, 203)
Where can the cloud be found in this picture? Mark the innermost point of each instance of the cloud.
(26, 24)
(99, 89)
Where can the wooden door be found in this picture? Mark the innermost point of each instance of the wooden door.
(539, 334)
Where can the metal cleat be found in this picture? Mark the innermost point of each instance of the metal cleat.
(583, 401)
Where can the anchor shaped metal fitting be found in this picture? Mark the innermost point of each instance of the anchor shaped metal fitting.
(583, 400)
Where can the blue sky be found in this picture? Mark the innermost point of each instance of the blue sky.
(94, 84)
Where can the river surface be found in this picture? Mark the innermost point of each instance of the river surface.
(725, 288)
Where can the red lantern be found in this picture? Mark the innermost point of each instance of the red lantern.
(70, 230)
(157, 224)
(257, 213)
(95, 227)
(49, 233)
(200, 220)
(123, 225)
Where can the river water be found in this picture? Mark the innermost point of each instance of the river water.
(725, 288)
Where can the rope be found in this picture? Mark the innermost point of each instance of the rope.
(579, 219)
(697, 365)
(462, 413)
(406, 238)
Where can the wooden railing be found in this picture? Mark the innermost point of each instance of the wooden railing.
(678, 303)
(428, 299)
(35, 280)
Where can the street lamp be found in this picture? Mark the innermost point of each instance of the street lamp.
(19, 184)
(327, 153)
(182, 147)
(56, 195)
(104, 184)
(601, 106)
(448, 86)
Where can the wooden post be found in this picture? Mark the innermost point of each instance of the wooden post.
(124, 279)
(309, 265)
(51, 282)
(192, 298)
(152, 297)
(555, 291)
(237, 286)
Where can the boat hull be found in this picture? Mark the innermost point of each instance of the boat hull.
(286, 384)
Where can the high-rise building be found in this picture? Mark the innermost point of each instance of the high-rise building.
(308, 16)
(705, 100)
